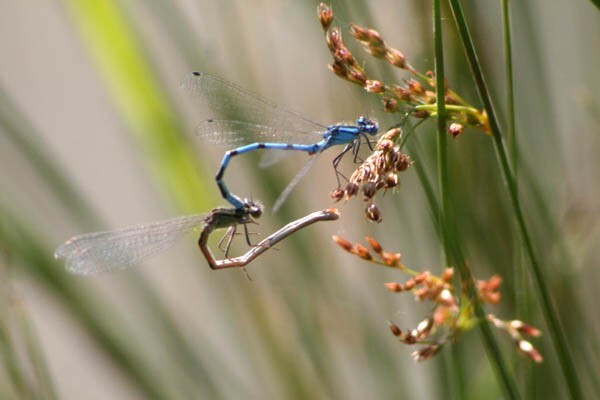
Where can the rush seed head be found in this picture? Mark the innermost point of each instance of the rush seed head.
(343, 243)
(325, 15)
(337, 194)
(374, 245)
(374, 86)
(372, 213)
(362, 252)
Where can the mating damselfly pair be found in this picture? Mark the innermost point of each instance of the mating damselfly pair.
(261, 125)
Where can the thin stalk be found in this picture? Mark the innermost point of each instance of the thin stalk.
(444, 212)
(522, 297)
(452, 248)
(442, 153)
(557, 335)
(10, 360)
(34, 352)
(510, 92)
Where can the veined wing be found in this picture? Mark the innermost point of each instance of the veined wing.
(226, 101)
(96, 252)
(237, 133)
(293, 183)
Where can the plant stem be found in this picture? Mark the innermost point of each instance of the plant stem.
(550, 315)
(452, 249)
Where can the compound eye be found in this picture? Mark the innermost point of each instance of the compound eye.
(255, 210)
(373, 128)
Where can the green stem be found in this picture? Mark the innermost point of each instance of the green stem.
(454, 255)
(522, 296)
(451, 107)
(442, 164)
(550, 314)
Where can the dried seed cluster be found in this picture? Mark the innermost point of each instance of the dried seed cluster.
(516, 329)
(411, 96)
(450, 314)
(378, 172)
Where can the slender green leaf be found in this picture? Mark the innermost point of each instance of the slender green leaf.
(560, 343)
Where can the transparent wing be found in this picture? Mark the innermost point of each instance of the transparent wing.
(293, 183)
(96, 252)
(272, 157)
(238, 133)
(232, 107)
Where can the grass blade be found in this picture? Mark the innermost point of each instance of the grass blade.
(556, 333)
(449, 232)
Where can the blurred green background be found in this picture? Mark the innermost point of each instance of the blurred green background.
(96, 133)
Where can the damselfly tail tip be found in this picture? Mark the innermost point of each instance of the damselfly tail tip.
(333, 211)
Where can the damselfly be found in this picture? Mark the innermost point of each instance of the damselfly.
(96, 252)
(268, 242)
(256, 123)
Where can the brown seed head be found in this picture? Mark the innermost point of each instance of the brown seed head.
(384, 144)
(351, 189)
(391, 259)
(374, 245)
(415, 87)
(372, 212)
(374, 86)
(395, 58)
(343, 243)
(339, 69)
(527, 348)
(334, 39)
(403, 93)
(422, 276)
(362, 252)
(428, 97)
(375, 38)
(445, 297)
(447, 275)
(343, 55)
(395, 330)
(325, 15)
(391, 180)
(357, 76)
(391, 134)
(424, 328)
(359, 33)
(369, 189)
(393, 287)
(455, 129)
(409, 284)
(494, 282)
(403, 162)
(525, 328)
(425, 353)
(390, 104)
(337, 194)
(488, 290)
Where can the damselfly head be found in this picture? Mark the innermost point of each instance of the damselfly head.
(253, 208)
(367, 125)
